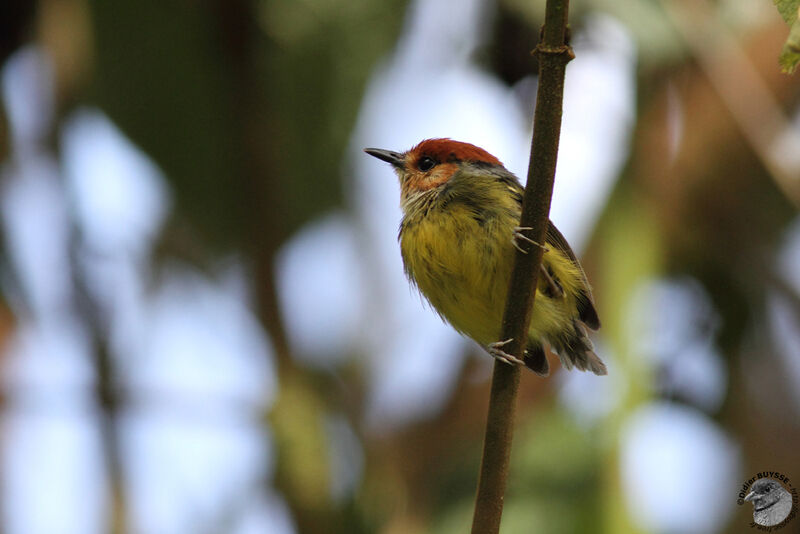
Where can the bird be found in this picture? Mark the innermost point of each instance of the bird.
(458, 234)
(771, 502)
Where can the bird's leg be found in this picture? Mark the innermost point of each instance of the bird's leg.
(495, 349)
(555, 288)
(517, 234)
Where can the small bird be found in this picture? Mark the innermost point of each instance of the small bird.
(461, 210)
(771, 502)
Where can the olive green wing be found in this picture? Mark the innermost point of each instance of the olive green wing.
(585, 301)
(585, 304)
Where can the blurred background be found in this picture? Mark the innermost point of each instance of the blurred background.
(204, 323)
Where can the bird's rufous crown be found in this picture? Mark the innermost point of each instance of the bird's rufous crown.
(447, 150)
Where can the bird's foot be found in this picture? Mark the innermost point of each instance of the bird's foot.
(495, 349)
(517, 235)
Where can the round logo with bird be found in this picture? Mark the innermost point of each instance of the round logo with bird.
(774, 500)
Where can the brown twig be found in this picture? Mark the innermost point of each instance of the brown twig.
(554, 55)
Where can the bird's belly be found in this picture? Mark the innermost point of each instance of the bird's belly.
(463, 269)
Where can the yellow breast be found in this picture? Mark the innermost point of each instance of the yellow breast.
(462, 265)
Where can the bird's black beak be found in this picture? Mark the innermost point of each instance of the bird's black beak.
(750, 496)
(395, 158)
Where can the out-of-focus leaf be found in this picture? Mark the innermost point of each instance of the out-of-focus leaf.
(557, 466)
(319, 57)
(788, 9)
(159, 76)
(554, 455)
(632, 251)
(297, 421)
(247, 105)
(790, 54)
(554, 486)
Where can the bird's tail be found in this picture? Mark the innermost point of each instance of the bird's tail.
(535, 360)
(577, 350)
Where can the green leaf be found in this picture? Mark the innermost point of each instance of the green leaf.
(788, 9)
(790, 55)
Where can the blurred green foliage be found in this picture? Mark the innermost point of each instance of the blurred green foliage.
(184, 79)
(790, 54)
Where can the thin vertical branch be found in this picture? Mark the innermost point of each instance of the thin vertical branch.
(554, 55)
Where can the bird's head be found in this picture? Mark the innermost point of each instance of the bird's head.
(764, 493)
(432, 163)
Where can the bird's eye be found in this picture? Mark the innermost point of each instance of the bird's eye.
(426, 163)
(767, 489)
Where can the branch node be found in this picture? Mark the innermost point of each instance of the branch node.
(562, 50)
